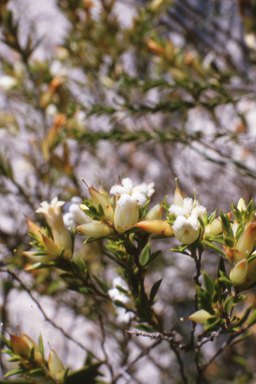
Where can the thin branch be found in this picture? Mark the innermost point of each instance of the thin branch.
(15, 277)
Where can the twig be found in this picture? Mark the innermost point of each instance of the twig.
(128, 366)
(15, 277)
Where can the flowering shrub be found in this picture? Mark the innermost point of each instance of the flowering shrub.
(129, 227)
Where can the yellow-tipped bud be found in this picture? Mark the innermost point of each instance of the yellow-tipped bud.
(214, 228)
(56, 366)
(95, 229)
(157, 227)
(239, 273)
(155, 213)
(200, 316)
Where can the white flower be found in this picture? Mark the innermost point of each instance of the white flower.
(75, 216)
(130, 198)
(186, 226)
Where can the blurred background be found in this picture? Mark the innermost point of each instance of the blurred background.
(107, 89)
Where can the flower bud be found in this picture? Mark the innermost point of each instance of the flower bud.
(158, 227)
(19, 345)
(99, 199)
(56, 366)
(52, 248)
(245, 243)
(241, 205)
(34, 229)
(178, 197)
(200, 316)
(155, 213)
(126, 213)
(239, 272)
(95, 229)
(214, 228)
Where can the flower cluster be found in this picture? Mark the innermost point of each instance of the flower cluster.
(121, 217)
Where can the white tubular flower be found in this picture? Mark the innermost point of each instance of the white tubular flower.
(54, 218)
(126, 213)
(186, 226)
(76, 216)
(130, 198)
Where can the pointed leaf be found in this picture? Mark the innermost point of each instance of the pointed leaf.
(208, 283)
(154, 290)
(252, 319)
(228, 304)
(145, 254)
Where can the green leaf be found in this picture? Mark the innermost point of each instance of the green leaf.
(85, 375)
(212, 217)
(228, 304)
(252, 319)
(241, 321)
(145, 328)
(212, 322)
(214, 247)
(37, 266)
(119, 303)
(250, 207)
(209, 284)
(218, 239)
(15, 371)
(41, 345)
(154, 291)
(251, 258)
(243, 337)
(104, 286)
(145, 254)
(225, 279)
(153, 256)
(204, 299)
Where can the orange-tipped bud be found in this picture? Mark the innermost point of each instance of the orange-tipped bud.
(34, 229)
(19, 345)
(95, 229)
(200, 316)
(239, 272)
(155, 48)
(158, 227)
